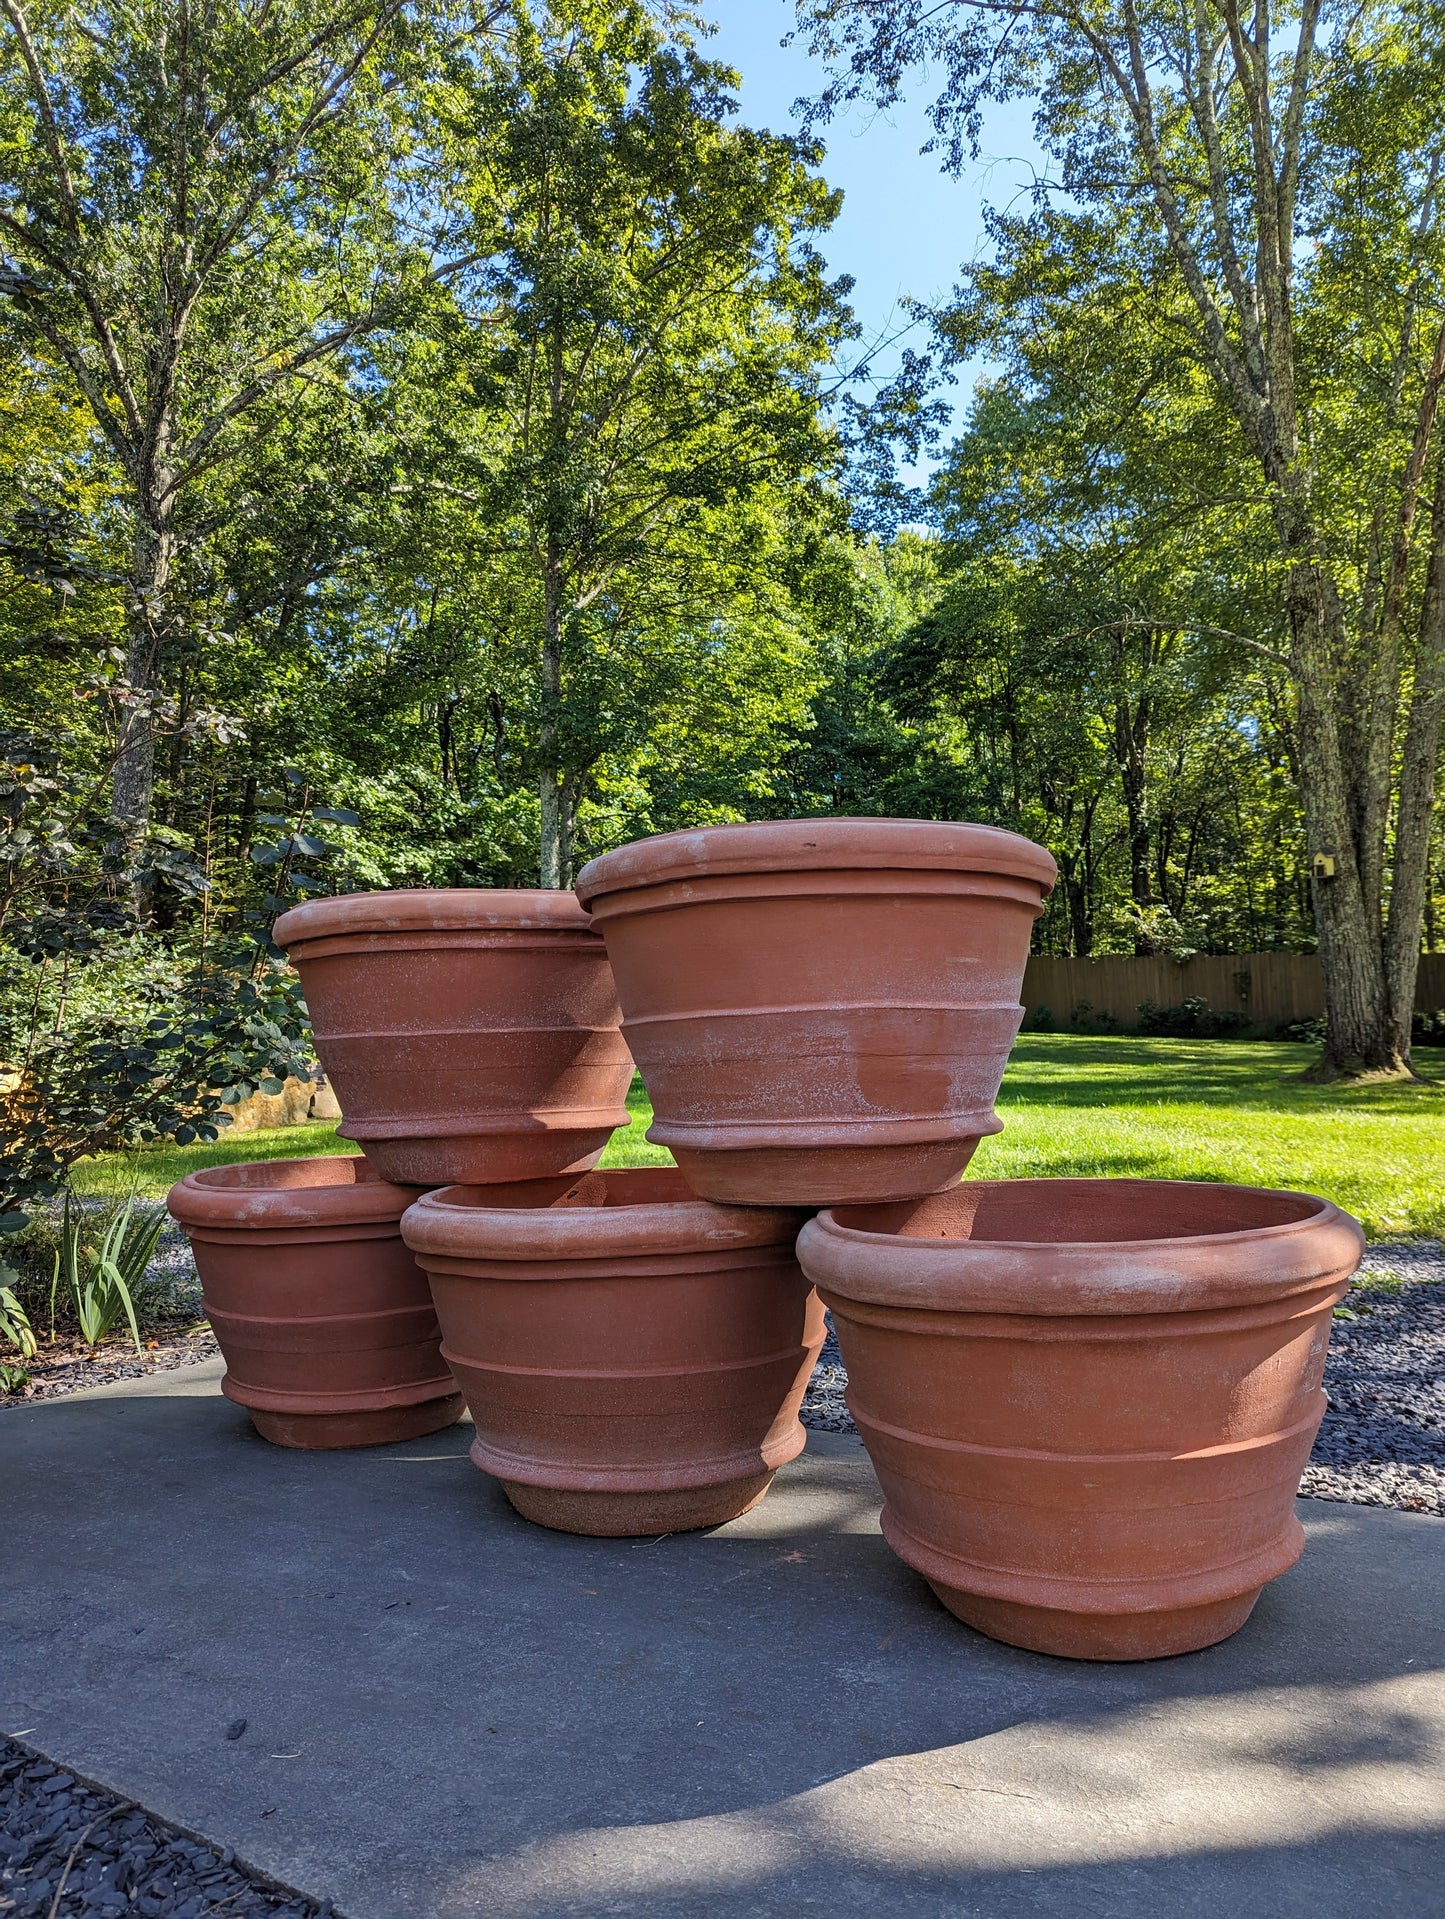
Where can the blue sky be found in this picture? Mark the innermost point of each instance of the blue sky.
(906, 227)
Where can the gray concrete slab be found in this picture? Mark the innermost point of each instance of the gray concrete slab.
(450, 1712)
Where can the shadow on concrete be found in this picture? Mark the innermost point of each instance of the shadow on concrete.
(446, 1704)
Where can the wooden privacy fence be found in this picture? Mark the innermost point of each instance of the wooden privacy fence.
(1268, 987)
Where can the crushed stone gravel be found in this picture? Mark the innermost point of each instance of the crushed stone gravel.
(1382, 1442)
(73, 1851)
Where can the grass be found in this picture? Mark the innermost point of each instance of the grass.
(1147, 1108)
(1224, 1109)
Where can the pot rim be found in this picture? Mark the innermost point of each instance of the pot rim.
(1154, 1273)
(449, 1228)
(434, 909)
(813, 845)
(206, 1199)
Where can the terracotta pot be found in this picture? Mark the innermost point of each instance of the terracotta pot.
(634, 1358)
(1089, 1402)
(323, 1316)
(821, 1009)
(470, 1035)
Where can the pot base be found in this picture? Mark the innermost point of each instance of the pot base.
(329, 1432)
(1104, 1636)
(620, 1515)
(490, 1159)
(816, 1176)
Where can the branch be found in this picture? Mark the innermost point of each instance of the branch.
(1294, 123)
(55, 147)
(1201, 102)
(1137, 97)
(1181, 626)
(190, 459)
(49, 126)
(123, 443)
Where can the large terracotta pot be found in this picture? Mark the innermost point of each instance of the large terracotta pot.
(470, 1035)
(1089, 1402)
(821, 1009)
(323, 1316)
(634, 1358)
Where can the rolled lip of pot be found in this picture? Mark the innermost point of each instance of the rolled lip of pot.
(461, 909)
(808, 845)
(333, 1189)
(600, 1216)
(1105, 1246)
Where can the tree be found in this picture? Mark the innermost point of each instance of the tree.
(643, 375)
(1289, 173)
(204, 209)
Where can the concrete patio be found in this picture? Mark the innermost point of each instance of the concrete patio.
(451, 1712)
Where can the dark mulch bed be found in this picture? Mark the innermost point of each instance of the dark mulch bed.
(72, 1851)
(70, 1367)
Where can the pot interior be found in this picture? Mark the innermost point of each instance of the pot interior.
(631, 1186)
(1081, 1211)
(271, 1175)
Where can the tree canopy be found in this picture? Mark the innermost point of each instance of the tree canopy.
(425, 459)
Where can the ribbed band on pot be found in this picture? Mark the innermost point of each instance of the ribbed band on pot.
(459, 909)
(337, 1190)
(890, 846)
(1284, 1242)
(456, 1223)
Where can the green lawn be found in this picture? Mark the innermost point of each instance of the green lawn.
(1175, 1109)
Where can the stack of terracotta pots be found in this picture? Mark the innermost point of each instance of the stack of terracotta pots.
(1088, 1401)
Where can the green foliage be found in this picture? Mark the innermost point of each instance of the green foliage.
(417, 467)
(15, 1327)
(1193, 1018)
(101, 1275)
(640, 434)
(108, 1035)
(1215, 433)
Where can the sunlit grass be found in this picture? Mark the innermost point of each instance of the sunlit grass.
(156, 1169)
(1230, 1110)
(1152, 1108)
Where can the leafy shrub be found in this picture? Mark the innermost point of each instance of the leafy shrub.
(110, 1033)
(1310, 1031)
(1428, 1029)
(1088, 1018)
(1193, 1018)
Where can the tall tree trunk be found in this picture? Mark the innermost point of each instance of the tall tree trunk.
(1346, 790)
(552, 862)
(1347, 922)
(1131, 748)
(133, 782)
(1415, 816)
(569, 792)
